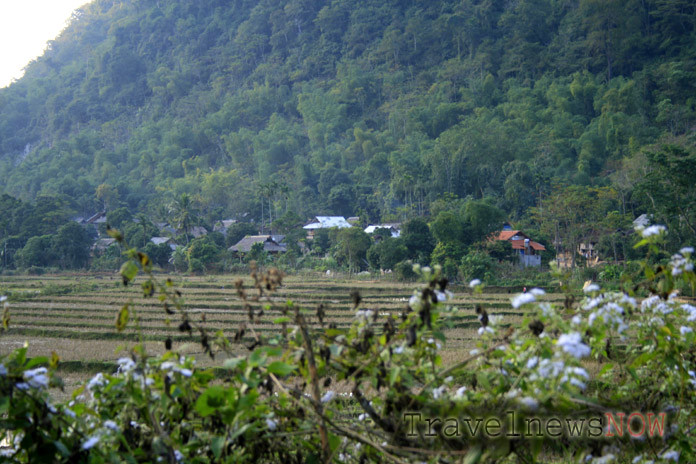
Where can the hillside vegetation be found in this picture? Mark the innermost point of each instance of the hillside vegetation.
(377, 108)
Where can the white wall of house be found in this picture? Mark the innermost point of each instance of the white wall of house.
(530, 260)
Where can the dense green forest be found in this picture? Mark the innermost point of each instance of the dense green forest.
(569, 117)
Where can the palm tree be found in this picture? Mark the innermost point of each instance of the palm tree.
(183, 214)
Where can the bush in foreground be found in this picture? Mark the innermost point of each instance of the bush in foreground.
(587, 369)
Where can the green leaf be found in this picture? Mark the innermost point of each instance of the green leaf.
(394, 375)
(36, 361)
(122, 318)
(643, 358)
(473, 456)
(210, 401)
(281, 320)
(128, 271)
(216, 445)
(232, 363)
(606, 368)
(440, 336)
(271, 351)
(334, 441)
(633, 373)
(61, 448)
(280, 368)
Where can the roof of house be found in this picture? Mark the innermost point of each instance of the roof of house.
(517, 238)
(326, 222)
(98, 218)
(222, 226)
(269, 244)
(198, 231)
(519, 245)
(103, 243)
(509, 235)
(372, 228)
(160, 240)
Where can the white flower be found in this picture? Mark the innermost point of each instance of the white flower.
(178, 455)
(685, 330)
(362, 417)
(653, 230)
(687, 250)
(96, 381)
(475, 351)
(36, 378)
(460, 392)
(271, 424)
(691, 310)
(532, 362)
(365, 313)
(576, 320)
(607, 458)
(449, 379)
(167, 366)
(572, 344)
(537, 291)
(125, 364)
(483, 330)
(111, 425)
(185, 372)
(522, 299)
(475, 283)
(529, 403)
(328, 396)
(549, 369)
(673, 455)
(93, 440)
(546, 309)
(70, 413)
(440, 296)
(399, 349)
(591, 288)
(610, 314)
(3, 370)
(438, 392)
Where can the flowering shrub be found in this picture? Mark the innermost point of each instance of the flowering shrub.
(610, 379)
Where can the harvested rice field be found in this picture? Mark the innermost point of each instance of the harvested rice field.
(74, 315)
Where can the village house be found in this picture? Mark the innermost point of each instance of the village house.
(166, 240)
(100, 245)
(527, 250)
(272, 244)
(393, 227)
(222, 226)
(325, 222)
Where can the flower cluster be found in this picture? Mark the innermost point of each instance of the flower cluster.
(608, 310)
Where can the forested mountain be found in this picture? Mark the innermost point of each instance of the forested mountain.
(375, 108)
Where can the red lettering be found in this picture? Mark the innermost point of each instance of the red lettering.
(659, 425)
(611, 421)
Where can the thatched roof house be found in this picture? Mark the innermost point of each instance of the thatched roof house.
(271, 244)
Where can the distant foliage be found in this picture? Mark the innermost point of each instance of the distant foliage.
(254, 111)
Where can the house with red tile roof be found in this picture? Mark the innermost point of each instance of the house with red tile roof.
(528, 251)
